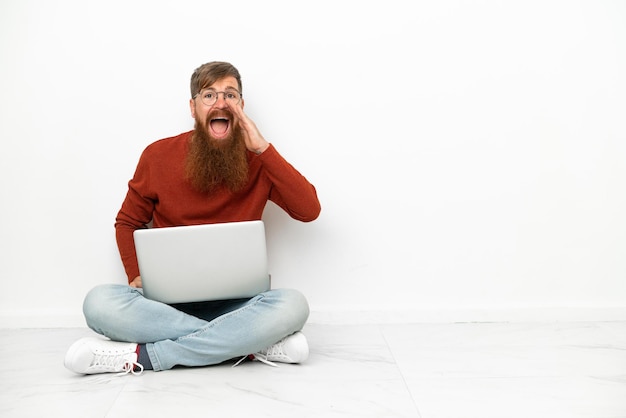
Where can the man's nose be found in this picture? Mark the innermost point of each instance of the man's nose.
(221, 101)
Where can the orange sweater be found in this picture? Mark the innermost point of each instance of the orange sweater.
(159, 192)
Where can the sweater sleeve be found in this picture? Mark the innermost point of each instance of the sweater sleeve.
(290, 190)
(135, 213)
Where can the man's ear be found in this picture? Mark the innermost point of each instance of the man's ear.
(192, 107)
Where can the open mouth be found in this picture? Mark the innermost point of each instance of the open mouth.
(219, 126)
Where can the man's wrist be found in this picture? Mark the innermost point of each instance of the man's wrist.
(262, 149)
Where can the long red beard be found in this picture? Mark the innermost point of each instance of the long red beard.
(211, 163)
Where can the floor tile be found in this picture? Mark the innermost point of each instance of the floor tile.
(409, 370)
(513, 370)
(523, 397)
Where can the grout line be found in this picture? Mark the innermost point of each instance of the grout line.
(395, 361)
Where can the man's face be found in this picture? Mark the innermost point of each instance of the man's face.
(218, 120)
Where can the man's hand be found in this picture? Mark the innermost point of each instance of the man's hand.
(136, 282)
(253, 138)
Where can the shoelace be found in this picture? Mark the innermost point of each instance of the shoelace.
(110, 361)
(129, 367)
(257, 356)
(275, 350)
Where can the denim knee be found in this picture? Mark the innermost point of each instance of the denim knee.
(100, 303)
(295, 305)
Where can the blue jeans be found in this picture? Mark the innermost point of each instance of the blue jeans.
(194, 334)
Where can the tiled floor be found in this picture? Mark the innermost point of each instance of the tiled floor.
(421, 370)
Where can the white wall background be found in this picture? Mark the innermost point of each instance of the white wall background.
(469, 155)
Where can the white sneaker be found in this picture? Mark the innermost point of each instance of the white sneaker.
(95, 355)
(291, 349)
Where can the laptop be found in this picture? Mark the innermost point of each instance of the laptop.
(203, 262)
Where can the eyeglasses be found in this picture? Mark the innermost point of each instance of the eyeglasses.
(210, 96)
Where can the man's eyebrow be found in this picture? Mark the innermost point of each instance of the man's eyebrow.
(214, 89)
